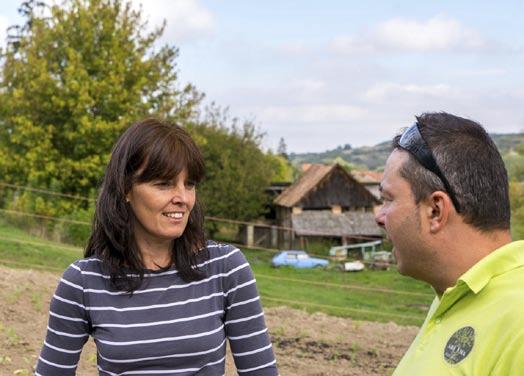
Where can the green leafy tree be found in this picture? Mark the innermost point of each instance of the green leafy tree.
(71, 81)
(282, 148)
(238, 171)
(282, 169)
(515, 165)
(516, 192)
(73, 77)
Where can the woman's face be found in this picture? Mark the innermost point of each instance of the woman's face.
(161, 208)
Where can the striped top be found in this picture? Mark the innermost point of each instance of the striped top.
(166, 327)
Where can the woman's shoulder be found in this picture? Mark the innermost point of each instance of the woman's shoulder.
(218, 247)
(224, 253)
(75, 273)
(86, 265)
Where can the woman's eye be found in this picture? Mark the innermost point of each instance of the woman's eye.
(161, 184)
(190, 184)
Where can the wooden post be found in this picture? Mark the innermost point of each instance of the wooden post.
(274, 237)
(250, 229)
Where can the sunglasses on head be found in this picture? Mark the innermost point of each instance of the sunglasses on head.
(412, 141)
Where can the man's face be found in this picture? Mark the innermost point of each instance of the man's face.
(400, 217)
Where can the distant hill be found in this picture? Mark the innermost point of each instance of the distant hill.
(374, 157)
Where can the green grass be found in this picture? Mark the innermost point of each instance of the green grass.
(21, 250)
(369, 295)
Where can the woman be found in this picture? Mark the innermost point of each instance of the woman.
(156, 297)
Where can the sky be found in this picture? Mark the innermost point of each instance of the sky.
(320, 74)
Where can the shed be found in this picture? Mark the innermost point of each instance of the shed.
(326, 202)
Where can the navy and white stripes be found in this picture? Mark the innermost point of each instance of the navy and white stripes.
(165, 327)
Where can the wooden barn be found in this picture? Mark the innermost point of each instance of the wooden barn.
(326, 202)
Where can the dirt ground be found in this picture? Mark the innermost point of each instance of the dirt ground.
(304, 344)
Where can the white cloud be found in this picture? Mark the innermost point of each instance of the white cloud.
(296, 48)
(480, 72)
(383, 91)
(186, 19)
(4, 24)
(315, 113)
(436, 34)
(351, 45)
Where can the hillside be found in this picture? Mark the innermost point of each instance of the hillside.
(374, 157)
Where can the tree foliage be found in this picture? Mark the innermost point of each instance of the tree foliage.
(514, 161)
(515, 165)
(238, 170)
(282, 169)
(74, 76)
(516, 192)
(71, 81)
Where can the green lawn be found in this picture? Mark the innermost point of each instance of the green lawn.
(368, 295)
(21, 250)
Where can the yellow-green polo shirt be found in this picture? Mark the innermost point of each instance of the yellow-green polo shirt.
(477, 326)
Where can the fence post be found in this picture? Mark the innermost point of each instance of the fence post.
(274, 237)
(250, 229)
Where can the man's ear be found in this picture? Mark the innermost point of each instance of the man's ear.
(438, 208)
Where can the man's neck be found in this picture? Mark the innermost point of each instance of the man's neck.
(463, 249)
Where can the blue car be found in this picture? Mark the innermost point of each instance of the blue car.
(297, 259)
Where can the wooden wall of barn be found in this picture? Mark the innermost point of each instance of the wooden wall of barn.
(338, 189)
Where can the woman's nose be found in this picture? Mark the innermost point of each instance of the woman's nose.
(179, 194)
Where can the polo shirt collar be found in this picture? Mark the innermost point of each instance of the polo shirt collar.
(503, 259)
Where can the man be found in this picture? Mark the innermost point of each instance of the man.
(446, 211)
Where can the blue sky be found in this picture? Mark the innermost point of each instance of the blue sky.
(323, 74)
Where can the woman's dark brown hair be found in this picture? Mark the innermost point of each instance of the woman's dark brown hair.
(148, 150)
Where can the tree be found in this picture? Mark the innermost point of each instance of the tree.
(282, 169)
(237, 170)
(73, 77)
(282, 148)
(514, 161)
(71, 81)
(516, 193)
(515, 165)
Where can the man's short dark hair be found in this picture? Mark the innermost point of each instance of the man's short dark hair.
(469, 159)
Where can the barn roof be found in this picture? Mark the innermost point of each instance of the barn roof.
(309, 180)
(327, 223)
(367, 177)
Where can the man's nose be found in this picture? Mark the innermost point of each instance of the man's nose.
(379, 217)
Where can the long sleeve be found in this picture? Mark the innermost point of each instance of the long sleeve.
(244, 321)
(68, 327)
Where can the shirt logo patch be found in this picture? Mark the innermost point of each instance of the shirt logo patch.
(459, 345)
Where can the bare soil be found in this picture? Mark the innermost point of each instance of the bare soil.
(304, 344)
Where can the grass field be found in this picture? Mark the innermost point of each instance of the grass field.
(369, 295)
